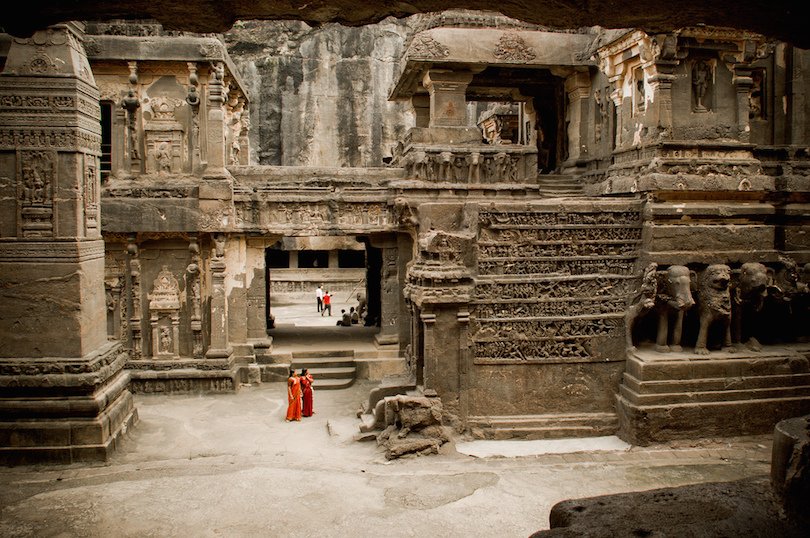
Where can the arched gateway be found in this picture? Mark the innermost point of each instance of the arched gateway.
(546, 185)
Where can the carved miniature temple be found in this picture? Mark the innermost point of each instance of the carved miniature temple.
(579, 233)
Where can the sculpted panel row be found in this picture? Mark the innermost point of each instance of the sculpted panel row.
(506, 219)
(517, 266)
(590, 233)
(545, 307)
(569, 288)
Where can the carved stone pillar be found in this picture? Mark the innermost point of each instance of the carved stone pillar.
(448, 104)
(219, 305)
(390, 296)
(135, 329)
(216, 121)
(578, 90)
(742, 83)
(63, 390)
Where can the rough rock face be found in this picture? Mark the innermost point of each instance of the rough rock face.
(778, 19)
(741, 508)
(319, 96)
(790, 466)
(413, 426)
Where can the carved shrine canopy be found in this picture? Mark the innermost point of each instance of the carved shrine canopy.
(474, 49)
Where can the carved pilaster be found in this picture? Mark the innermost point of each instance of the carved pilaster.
(194, 297)
(135, 336)
(216, 124)
(219, 308)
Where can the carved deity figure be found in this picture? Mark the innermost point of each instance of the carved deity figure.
(714, 296)
(701, 75)
(165, 340)
(163, 158)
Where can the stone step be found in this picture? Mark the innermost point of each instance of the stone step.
(770, 393)
(671, 386)
(324, 362)
(332, 384)
(322, 354)
(663, 367)
(333, 373)
(646, 424)
(554, 426)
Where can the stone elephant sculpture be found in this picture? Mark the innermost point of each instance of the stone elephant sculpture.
(668, 291)
(714, 301)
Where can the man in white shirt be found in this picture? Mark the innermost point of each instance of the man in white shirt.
(319, 298)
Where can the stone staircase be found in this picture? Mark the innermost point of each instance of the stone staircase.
(330, 370)
(680, 395)
(551, 426)
(560, 185)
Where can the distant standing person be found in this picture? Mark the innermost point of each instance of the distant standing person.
(362, 305)
(327, 303)
(319, 298)
(293, 397)
(306, 384)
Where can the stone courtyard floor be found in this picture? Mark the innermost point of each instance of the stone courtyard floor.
(228, 465)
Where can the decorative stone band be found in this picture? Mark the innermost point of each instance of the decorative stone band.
(62, 374)
(68, 251)
(64, 139)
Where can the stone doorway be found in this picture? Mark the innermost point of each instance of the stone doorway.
(340, 265)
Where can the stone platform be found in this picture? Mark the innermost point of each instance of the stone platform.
(666, 396)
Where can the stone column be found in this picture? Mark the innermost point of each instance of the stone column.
(390, 292)
(63, 390)
(743, 81)
(219, 348)
(216, 122)
(448, 104)
(578, 91)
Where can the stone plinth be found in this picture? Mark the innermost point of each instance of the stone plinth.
(666, 396)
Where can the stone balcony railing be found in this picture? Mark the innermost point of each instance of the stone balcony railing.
(457, 155)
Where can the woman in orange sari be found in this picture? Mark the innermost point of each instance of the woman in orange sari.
(293, 397)
(306, 387)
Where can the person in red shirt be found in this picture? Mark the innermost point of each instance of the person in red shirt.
(327, 303)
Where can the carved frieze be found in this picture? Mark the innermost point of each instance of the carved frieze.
(61, 139)
(577, 269)
(424, 46)
(314, 214)
(512, 48)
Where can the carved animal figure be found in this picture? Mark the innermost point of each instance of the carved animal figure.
(714, 297)
(667, 291)
(675, 295)
(748, 297)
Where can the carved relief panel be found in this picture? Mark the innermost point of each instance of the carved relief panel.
(553, 285)
(164, 310)
(36, 172)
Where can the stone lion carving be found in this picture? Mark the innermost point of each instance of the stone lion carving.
(668, 291)
(748, 296)
(714, 298)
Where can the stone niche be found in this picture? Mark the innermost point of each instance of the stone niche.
(163, 128)
(164, 316)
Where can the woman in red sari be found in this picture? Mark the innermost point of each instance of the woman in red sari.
(293, 397)
(306, 387)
